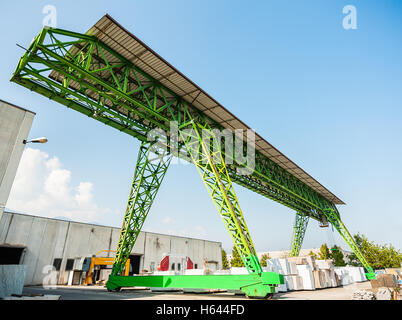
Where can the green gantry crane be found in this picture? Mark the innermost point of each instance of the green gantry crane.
(109, 75)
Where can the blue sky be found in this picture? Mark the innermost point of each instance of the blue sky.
(328, 98)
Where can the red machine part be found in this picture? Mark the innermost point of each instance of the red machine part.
(190, 264)
(164, 265)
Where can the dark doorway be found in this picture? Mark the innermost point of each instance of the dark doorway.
(11, 255)
(135, 265)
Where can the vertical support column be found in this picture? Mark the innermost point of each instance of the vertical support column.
(213, 171)
(333, 216)
(152, 164)
(299, 230)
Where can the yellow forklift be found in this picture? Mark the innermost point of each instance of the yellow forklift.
(96, 260)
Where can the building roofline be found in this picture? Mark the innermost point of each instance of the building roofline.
(18, 107)
(103, 226)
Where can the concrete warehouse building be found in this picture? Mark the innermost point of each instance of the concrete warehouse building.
(30, 244)
(39, 242)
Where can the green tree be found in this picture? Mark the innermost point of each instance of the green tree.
(353, 260)
(236, 260)
(324, 253)
(263, 260)
(337, 256)
(225, 262)
(377, 256)
(311, 253)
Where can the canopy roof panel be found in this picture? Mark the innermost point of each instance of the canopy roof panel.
(133, 49)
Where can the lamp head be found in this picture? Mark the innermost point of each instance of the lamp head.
(37, 140)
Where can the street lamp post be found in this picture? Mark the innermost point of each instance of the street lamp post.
(37, 140)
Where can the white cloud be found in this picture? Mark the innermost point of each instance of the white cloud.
(196, 232)
(201, 231)
(168, 220)
(43, 187)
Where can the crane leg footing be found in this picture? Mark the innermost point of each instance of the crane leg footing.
(370, 276)
(252, 285)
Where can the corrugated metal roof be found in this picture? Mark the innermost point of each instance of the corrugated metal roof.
(126, 44)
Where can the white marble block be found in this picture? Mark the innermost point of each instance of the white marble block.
(297, 282)
(311, 262)
(324, 264)
(333, 278)
(194, 272)
(12, 278)
(282, 288)
(284, 264)
(327, 278)
(238, 271)
(306, 273)
(292, 267)
(344, 276)
(289, 283)
(272, 266)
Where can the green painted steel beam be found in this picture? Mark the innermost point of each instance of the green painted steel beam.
(299, 230)
(272, 193)
(251, 285)
(212, 169)
(151, 168)
(334, 218)
(118, 93)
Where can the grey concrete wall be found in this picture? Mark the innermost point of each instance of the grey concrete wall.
(47, 239)
(15, 124)
(12, 280)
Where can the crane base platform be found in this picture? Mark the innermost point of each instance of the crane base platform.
(253, 286)
(370, 276)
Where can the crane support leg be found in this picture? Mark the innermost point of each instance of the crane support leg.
(152, 164)
(215, 176)
(213, 171)
(334, 218)
(299, 231)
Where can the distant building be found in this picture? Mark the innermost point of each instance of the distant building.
(39, 242)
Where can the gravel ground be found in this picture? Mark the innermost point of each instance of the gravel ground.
(341, 293)
(100, 293)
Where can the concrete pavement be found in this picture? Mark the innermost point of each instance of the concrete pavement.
(100, 293)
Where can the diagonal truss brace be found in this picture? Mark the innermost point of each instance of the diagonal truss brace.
(213, 171)
(334, 218)
(152, 164)
(299, 230)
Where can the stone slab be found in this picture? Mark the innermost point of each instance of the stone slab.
(12, 278)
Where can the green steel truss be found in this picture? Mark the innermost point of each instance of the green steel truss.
(98, 82)
(213, 171)
(86, 75)
(152, 164)
(299, 230)
(333, 218)
(252, 285)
